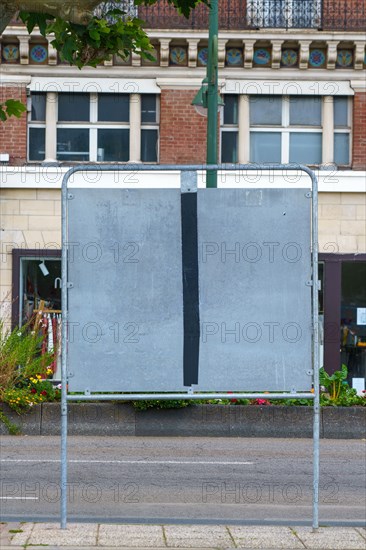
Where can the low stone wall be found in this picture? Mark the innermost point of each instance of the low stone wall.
(197, 420)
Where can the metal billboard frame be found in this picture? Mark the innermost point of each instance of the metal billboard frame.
(189, 395)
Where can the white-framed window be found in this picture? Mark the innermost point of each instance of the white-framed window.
(149, 128)
(287, 129)
(37, 127)
(342, 112)
(284, 13)
(95, 127)
(229, 129)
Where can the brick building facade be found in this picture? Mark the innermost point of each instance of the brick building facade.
(292, 75)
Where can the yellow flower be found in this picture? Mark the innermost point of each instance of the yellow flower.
(39, 376)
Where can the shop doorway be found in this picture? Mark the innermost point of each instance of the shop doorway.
(353, 318)
(345, 315)
(36, 281)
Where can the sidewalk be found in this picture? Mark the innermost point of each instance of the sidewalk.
(87, 536)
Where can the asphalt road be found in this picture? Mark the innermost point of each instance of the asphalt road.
(183, 480)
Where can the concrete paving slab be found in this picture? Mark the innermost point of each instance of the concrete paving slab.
(22, 537)
(362, 531)
(132, 536)
(7, 532)
(104, 548)
(76, 534)
(197, 536)
(264, 536)
(331, 538)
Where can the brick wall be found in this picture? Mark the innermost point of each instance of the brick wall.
(232, 15)
(182, 130)
(359, 132)
(344, 14)
(13, 132)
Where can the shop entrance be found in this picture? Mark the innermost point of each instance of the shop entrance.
(345, 315)
(353, 319)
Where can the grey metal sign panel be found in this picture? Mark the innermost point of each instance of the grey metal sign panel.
(126, 322)
(255, 304)
(125, 309)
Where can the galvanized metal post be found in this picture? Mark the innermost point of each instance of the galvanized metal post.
(212, 93)
(315, 290)
(64, 356)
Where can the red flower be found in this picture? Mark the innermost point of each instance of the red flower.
(33, 390)
(261, 402)
(232, 400)
(43, 392)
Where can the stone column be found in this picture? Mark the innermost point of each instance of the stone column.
(51, 128)
(135, 128)
(244, 125)
(328, 130)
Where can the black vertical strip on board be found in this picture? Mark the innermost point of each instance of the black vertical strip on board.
(191, 316)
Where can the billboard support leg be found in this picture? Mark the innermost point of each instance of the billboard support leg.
(316, 463)
(64, 387)
(315, 354)
(64, 462)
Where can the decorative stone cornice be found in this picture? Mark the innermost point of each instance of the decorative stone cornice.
(276, 53)
(135, 59)
(52, 52)
(359, 54)
(192, 52)
(24, 49)
(332, 54)
(304, 53)
(164, 51)
(248, 53)
(221, 49)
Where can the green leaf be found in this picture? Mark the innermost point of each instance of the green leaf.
(14, 107)
(94, 34)
(11, 107)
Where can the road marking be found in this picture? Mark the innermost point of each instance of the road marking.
(180, 462)
(19, 498)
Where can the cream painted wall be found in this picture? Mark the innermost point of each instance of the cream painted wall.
(31, 218)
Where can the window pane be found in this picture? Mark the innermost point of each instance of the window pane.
(72, 144)
(114, 145)
(265, 110)
(73, 107)
(38, 106)
(340, 112)
(37, 143)
(341, 148)
(148, 108)
(231, 109)
(305, 111)
(113, 107)
(306, 148)
(265, 147)
(149, 145)
(229, 147)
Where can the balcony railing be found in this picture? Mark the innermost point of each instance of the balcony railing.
(337, 15)
(343, 15)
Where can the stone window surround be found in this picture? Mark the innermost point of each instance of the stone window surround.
(134, 126)
(243, 129)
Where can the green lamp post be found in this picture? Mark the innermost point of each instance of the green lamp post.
(208, 95)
